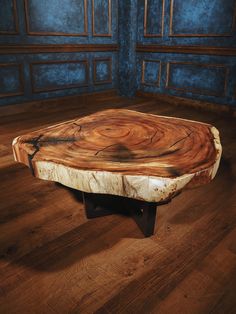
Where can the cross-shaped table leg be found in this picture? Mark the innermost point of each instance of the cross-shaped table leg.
(144, 213)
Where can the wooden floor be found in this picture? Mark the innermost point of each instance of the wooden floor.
(53, 260)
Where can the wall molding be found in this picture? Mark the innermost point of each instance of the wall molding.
(42, 48)
(95, 80)
(188, 102)
(41, 90)
(42, 33)
(42, 104)
(203, 50)
(21, 79)
(109, 34)
(172, 34)
(158, 82)
(147, 35)
(15, 17)
(196, 90)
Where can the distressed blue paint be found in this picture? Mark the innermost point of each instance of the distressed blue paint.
(203, 16)
(56, 16)
(56, 75)
(127, 53)
(154, 17)
(211, 21)
(101, 17)
(65, 18)
(153, 22)
(151, 72)
(206, 81)
(9, 79)
(27, 59)
(102, 71)
(7, 22)
(209, 80)
(126, 66)
(191, 17)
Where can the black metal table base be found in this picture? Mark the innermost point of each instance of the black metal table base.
(144, 213)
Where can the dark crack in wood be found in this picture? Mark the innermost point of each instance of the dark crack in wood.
(80, 126)
(37, 143)
(151, 139)
(180, 140)
(101, 150)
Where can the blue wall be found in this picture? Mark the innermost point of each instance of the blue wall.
(189, 23)
(127, 41)
(125, 24)
(32, 76)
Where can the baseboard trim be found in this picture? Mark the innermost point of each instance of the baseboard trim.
(199, 104)
(39, 105)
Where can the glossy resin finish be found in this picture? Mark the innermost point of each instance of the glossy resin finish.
(123, 152)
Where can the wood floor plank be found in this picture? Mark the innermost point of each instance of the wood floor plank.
(54, 260)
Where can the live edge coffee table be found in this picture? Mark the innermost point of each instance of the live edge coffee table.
(122, 159)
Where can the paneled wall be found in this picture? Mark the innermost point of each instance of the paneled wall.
(57, 48)
(65, 47)
(187, 48)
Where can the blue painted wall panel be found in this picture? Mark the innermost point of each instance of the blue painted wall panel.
(7, 19)
(62, 22)
(190, 22)
(46, 18)
(35, 79)
(202, 17)
(10, 79)
(210, 78)
(197, 78)
(102, 70)
(59, 22)
(153, 17)
(150, 19)
(151, 71)
(209, 19)
(52, 76)
(57, 16)
(101, 14)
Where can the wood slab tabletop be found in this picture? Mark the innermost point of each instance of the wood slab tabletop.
(123, 152)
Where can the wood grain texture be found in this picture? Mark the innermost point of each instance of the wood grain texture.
(123, 152)
(54, 260)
